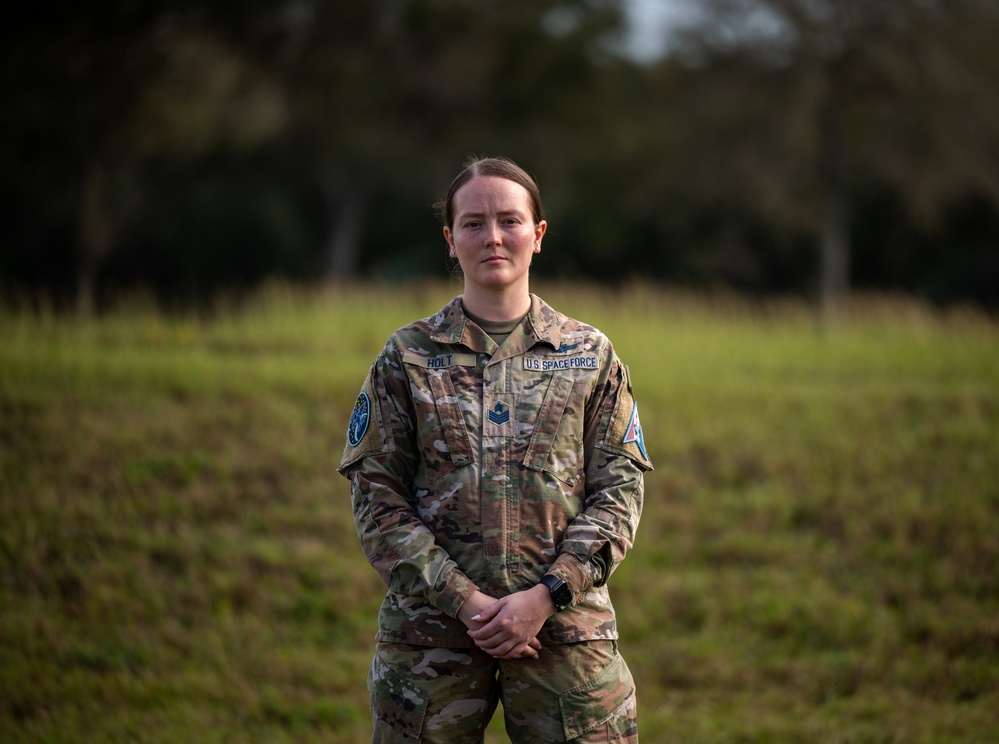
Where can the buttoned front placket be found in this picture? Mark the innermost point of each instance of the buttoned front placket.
(503, 451)
(498, 499)
(498, 441)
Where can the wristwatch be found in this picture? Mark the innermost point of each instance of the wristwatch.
(560, 591)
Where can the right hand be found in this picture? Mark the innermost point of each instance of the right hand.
(474, 606)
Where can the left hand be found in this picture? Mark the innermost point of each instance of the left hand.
(511, 623)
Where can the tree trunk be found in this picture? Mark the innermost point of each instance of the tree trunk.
(94, 236)
(834, 278)
(346, 204)
(834, 248)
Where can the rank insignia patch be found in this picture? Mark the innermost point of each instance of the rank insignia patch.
(359, 419)
(499, 414)
(634, 432)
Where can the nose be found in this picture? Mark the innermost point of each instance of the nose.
(491, 234)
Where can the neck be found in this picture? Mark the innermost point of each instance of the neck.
(497, 307)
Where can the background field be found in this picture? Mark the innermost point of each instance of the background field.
(816, 562)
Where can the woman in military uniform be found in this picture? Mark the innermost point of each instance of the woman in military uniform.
(496, 461)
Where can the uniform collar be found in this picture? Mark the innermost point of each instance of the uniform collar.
(543, 324)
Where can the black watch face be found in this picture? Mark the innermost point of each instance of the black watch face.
(562, 596)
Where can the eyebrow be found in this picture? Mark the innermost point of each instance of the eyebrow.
(500, 213)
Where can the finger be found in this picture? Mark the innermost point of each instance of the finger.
(509, 653)
(503, 649)
(522, 651)
(488, 613)
(484, 634)
(490, 644)
(527, 652)
(494, 628)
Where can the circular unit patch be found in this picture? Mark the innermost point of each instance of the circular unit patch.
(359, 419)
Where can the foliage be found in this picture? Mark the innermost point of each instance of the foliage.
(191, 147)
(816, 560)
(836, 95)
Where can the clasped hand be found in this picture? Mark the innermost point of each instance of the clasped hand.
(507, 628)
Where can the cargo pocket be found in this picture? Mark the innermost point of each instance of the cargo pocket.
(443, 435)
(395, 701)
(610, 693)
(556, 444)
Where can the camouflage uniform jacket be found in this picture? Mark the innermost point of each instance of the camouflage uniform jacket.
(481, 466)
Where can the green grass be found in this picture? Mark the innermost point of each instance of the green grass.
(817, 561)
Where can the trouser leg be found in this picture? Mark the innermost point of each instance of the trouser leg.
(581, 693)
(431, 695)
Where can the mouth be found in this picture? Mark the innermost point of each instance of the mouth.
(493, 259)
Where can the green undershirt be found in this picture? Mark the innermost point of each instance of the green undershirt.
(497, 330)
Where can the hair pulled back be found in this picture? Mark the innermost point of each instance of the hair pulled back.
(490, 166)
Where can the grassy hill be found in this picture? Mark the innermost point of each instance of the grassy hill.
(817, 560)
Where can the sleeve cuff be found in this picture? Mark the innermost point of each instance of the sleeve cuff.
(454, 590)
(573, 571)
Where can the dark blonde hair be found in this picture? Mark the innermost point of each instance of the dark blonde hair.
(500, 167)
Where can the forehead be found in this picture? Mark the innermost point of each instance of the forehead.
(491, 194)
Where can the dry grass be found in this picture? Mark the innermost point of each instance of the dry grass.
(816, 561)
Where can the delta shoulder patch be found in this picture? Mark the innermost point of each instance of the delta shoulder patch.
(634, 432)
(624, 429)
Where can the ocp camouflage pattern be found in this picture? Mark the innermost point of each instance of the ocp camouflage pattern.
(481, 466)
(582, 692)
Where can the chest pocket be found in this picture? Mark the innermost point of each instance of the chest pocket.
(556, 445)
(443, 435)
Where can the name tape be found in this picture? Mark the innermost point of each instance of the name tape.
(581, 361)
(441, 361)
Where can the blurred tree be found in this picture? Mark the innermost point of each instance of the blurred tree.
(194, 146)
(794, 103)
(95, 89)
(391, 95)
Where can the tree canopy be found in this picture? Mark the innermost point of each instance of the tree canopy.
(778, 146)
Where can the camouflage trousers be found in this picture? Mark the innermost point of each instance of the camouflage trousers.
(580, 692)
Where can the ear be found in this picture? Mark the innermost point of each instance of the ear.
(452, 251)
(539, 233)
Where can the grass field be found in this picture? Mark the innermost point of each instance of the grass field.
(818, 560)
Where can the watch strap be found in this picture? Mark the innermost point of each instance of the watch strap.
(560, 592)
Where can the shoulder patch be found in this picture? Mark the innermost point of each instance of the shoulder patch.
(360, 417)
(634, 432)
(365, 435)
(624, 430)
